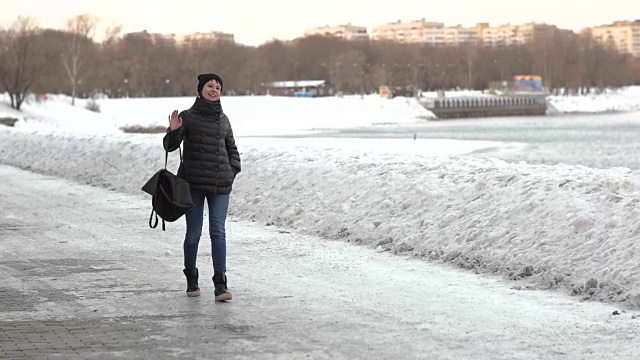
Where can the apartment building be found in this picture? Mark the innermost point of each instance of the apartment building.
(434, 34)
(212, 36)
(430, 33)
(509, 35)
(417, 31)
(623, 35)
(480, 31)
(458, 35)
(346, 32)
(155, 38)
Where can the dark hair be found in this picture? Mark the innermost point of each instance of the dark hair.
(205, 78)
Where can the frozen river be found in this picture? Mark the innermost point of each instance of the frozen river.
(601, 141)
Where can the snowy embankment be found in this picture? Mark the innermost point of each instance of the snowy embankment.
(571, 228)
(250, 115)
(618, 100)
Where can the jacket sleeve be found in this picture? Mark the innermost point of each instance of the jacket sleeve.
(232, 151)
(173, 138)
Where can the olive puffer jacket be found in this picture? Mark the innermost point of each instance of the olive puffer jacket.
(211, 159)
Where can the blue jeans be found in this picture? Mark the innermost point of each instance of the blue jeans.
(218, 206)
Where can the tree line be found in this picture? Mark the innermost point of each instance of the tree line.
(36, 60)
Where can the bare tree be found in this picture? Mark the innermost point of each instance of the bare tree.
(634, 69)
(21, 61)
(277, 58)
(350, 71)
(112, 34)
(470, 52)
(52, 79)
(4, 49)
(82, 29)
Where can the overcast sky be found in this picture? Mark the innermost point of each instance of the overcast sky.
(254, 22)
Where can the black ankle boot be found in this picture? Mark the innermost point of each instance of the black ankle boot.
(220, 283)
(192, 282)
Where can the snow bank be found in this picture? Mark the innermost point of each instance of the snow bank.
(559, 227)
(622, 100)
(272, 115)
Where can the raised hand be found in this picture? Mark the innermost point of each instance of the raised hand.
(175, 121)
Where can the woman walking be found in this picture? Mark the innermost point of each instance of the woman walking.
(210, 164)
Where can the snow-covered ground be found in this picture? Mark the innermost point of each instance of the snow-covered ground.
(251, 116)
(623, 100)
(566, 227)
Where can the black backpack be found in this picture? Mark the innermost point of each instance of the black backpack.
(170, 195)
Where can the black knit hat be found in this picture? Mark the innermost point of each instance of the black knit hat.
(205, 78)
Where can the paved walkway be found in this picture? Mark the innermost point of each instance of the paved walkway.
(82, 277)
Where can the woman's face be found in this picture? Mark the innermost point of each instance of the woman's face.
(211, 90)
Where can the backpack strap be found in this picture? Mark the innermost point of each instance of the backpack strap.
(166, 156)
(151, 224)
(154, 225)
